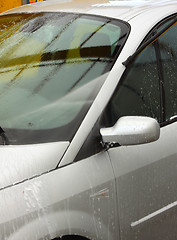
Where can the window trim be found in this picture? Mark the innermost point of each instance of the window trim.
(160, 80)
(152, 38)
(159, 64)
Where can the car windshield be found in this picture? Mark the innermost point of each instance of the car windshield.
(52, 66)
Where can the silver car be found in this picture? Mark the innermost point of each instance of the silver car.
(88, 121)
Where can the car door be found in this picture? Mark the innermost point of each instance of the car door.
(146, 175)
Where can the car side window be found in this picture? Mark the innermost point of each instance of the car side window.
(138, 93)
(149, 85)
(168, 56)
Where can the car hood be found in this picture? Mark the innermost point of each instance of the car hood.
(21, 162)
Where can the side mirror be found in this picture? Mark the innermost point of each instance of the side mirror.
(132, 130)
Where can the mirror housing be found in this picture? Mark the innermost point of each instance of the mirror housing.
(132, 130)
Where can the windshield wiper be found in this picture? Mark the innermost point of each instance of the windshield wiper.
(4, 138)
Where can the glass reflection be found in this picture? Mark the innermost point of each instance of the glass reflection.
(50, 68)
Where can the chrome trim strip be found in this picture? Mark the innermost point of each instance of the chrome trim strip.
(154, 214)
(102, 193)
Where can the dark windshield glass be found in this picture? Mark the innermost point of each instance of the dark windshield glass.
(51, 67)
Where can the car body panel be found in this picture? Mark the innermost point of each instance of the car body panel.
(22, 162)
(146, 177)
(57, 203)
(123, 10)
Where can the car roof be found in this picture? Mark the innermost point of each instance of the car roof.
(121, 9)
